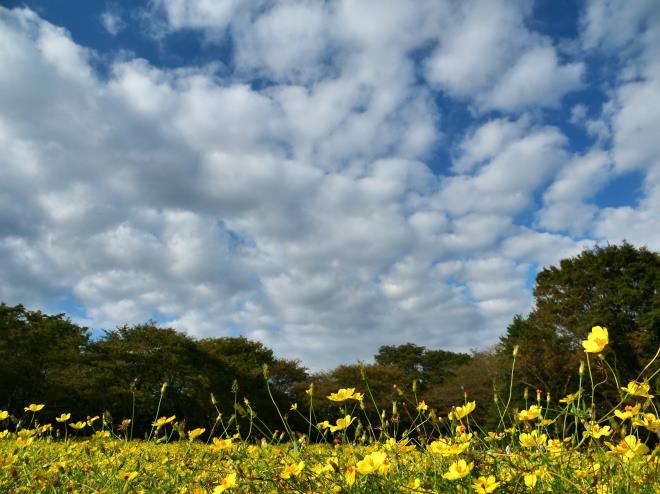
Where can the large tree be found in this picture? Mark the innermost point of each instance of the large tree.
(616, 286)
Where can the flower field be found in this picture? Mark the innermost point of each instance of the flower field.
(550, 445)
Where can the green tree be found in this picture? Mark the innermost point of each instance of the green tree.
(40, 358)
(427, 367)
(612, 286)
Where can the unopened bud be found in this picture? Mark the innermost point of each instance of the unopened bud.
(515, 351)
(394, 409)
(163, 388)
(538, 395)
(414, 385)
(213, 400)
(265, 371)
(548, 397)
(526, 394)
(581, 370)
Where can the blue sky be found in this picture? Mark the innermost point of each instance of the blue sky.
(323, 176)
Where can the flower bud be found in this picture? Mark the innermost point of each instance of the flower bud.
(515, 351)
(526, 394)
(163, 388)
(581, 370)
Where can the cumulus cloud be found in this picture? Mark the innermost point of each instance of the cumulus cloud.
(295, 195)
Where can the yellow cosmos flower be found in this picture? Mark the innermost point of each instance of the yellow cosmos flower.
(589, 471)
(34, 408)
(91, 420)
(292, 470)
(78, 425)
(485, 485)
(294, 407)
(342, 423)
(458, 470)
(373, 462)
(635, 388)
(597, 340)
(221, 444)
(127, 476)
(227, 483)
(64, 417)
(494, 436)
(4, 434)
(629, 448)
(532, 440)
(596, 431)
(163, 421)
(459, 412)
(422, 407)
(648, 420)
(345, 394)
(628, 412)
(532, 413)
(195, 433)
(349, 475)
(571, 397)
(4, 415)
(446, 447)
(531, 479)
(324, 425)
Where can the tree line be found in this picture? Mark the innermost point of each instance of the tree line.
(50, 359)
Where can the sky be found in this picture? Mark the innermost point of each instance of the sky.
(325, 177)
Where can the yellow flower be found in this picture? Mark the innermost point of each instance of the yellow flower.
(4, 434)
(345, 394)
(485, 485)
(596, 431)
(532, 413)
(494, 436)
(324, 425)
(34, 408)
(127, 476)
(349, 475)
(294, 407)
(64, 417)
(446, 447)
(227, 483)
(91, 420)
(422, 407)
(531, 479)
(220, 444)
(374, 462)
(4, 414)
(532, 440)
(78, 425)
(163, 421)
(629, 447)
(342, 423)
(589, 471)
(648, 420)
(195, 433)
(597, 340)
(635, 388)
(628, 412)
(458, 470)
(571, 397)
(459, 412)
(292, 470)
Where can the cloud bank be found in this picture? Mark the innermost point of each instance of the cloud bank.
(312, 191)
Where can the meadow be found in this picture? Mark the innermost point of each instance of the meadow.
(554, 444)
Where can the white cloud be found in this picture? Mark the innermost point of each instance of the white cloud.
(112, 21)
(537, 79)
(565, 206)
(304, 211)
